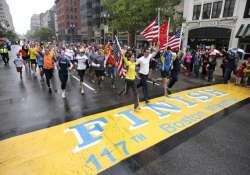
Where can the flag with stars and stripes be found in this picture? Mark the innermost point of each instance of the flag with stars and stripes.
(118, 57)
(174, 41)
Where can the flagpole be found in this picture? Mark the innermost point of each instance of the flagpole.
(159, 22)
(181, 37)
(168, 30)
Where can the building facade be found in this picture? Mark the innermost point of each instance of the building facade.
(5, 16)
(68, 19)
(35, 22)
(93, 21)
(223, 23)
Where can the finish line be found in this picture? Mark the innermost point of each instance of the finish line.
(94, 143)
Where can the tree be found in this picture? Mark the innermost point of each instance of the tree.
(134, 15)
(4, 32)
(42, 34)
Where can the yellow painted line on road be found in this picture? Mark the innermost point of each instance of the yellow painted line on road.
(94, 143)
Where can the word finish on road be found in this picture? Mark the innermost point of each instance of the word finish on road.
(94, 143)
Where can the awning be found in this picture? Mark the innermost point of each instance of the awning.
(244, 31)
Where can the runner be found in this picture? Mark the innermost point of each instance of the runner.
(82, 64)
(144, 70)
(175, 70)
(48, 68)
(129, 61)
(99, 65)
(24, 51)
(18, 61)
(33, 55)
(40, 56)
(166, 66)
(111, 64)
(64, 65)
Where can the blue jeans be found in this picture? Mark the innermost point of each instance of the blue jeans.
(227, 75)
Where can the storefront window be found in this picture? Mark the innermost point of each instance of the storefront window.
(206, 11)
(229, 8)
(247, 10)
(196, 12)
(217, 6)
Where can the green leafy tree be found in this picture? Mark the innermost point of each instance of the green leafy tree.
(42, 34)
(134, 15)
(11, 35)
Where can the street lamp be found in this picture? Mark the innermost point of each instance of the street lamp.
(72, 30)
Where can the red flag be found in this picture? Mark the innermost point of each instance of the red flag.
(163, 34)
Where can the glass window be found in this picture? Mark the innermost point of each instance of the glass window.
(247, 10)
(196, 12)
(206, 11)
(229, 8)
(217, 6)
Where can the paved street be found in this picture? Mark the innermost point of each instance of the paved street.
(27, 105)
(217, 145)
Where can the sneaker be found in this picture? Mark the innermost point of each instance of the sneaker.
(137, 109)
(63, 94)
(50, 91)
(113, 86)
(82, 92)
(169, 92)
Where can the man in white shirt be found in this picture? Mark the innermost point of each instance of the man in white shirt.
(144, 70)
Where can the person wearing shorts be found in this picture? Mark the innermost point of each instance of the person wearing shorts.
(33, 55)
(166, 65)
(99, 65)
(82, 61)
(18, 61)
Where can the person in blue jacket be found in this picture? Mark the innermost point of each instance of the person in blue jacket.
(165, 68)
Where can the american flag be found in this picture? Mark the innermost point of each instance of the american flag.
(118, 57)
(151, 32)
(174, 41)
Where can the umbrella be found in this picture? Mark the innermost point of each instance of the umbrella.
(236, 50)
(215, 52)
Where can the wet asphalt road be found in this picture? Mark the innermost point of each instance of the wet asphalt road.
(27, 106)
(217, 146)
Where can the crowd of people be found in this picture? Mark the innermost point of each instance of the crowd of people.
(100, 61)
(203, 63)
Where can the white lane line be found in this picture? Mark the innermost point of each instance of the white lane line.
(154, 83)
(83, 83)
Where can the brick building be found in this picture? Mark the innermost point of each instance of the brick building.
(68, 19)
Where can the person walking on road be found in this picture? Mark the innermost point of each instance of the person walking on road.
(40, 55)
(24, 51)
(4, 52)
(64, 65)
(82, 64)
(48, 68)
(143, 62)
(99, 64)
(18, 61)
(175, 71)
(129, 61)
(166, 66)
(33, 55)
(111, 64)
